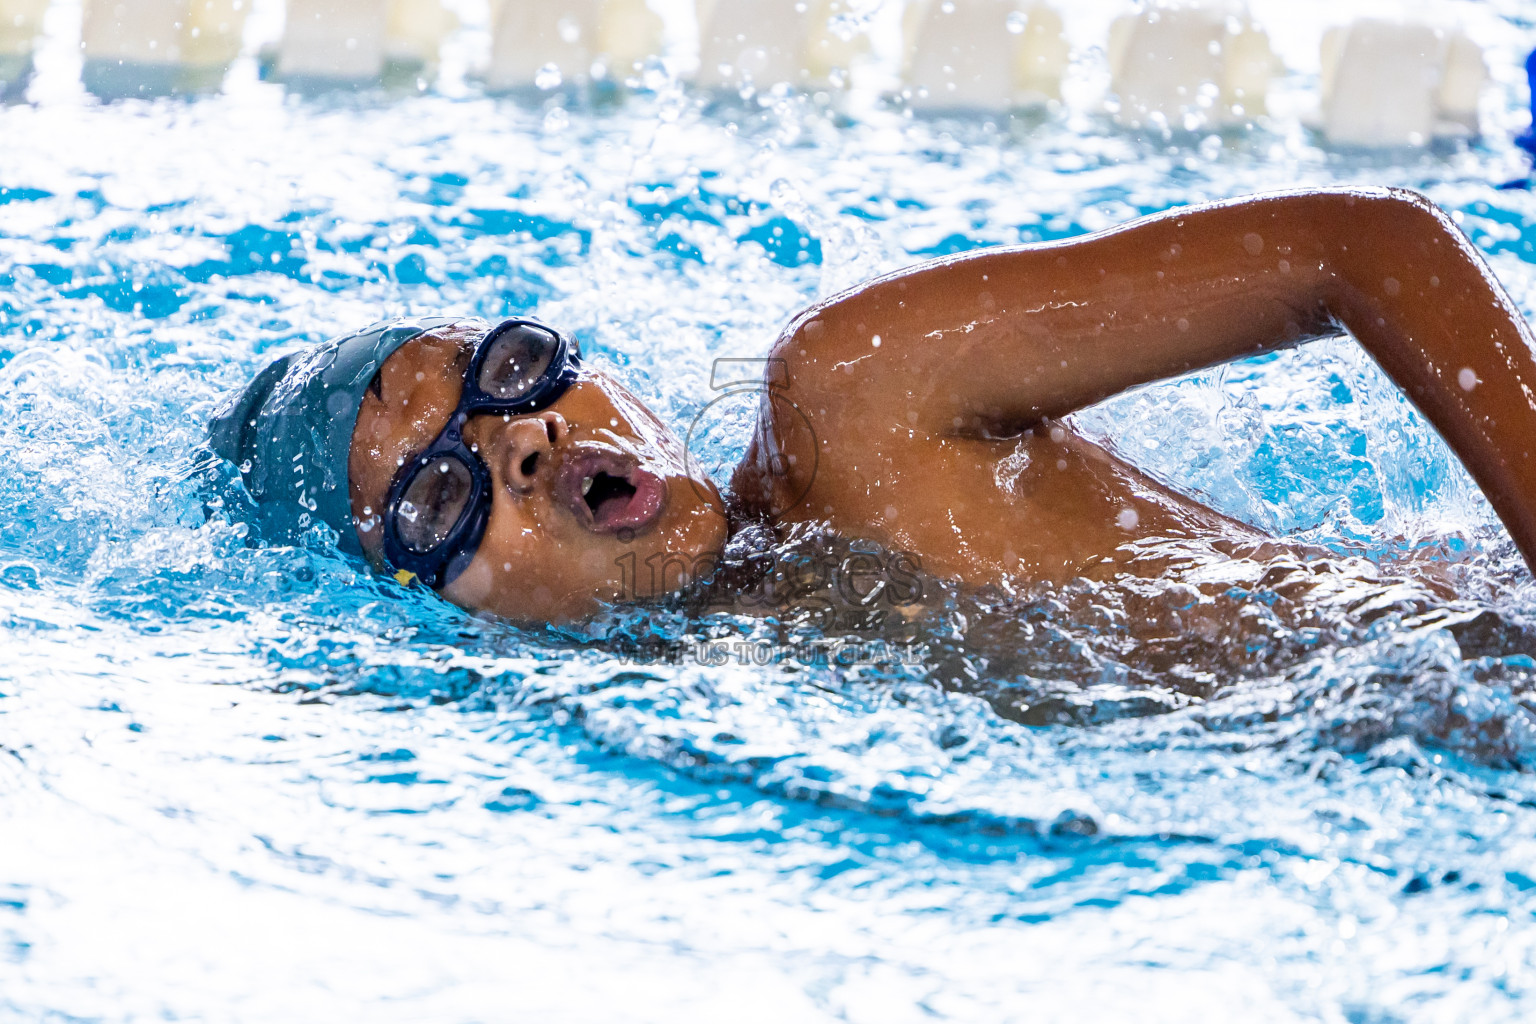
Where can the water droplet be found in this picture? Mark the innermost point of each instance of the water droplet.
(1011, 468)
(548, 77)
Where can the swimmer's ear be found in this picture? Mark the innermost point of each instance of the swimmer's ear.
(377, 385)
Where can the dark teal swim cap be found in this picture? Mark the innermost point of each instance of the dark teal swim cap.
(290, 431)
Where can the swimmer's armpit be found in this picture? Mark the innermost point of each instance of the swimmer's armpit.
(998, 339)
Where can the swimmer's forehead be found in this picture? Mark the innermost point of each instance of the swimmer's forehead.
(454, 342)
(419, 385)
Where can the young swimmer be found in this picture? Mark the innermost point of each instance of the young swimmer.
(494, 465)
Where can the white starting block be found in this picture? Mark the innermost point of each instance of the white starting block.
(20, 22)
(1389, 83)
(751, 42)
(629, 33)
(1190, 66)
(829, 57)
(549, 44)
(214, 32)
(328, 44)
(543, 44)
(413, 37)
(333, 42)
(982, 54)
(158, 47)
(763, 43)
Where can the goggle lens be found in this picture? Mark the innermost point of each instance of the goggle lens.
(518, 359)
(433, 503)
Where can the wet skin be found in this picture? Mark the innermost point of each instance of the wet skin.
(921, 410)
(898, 441)
(544, 555)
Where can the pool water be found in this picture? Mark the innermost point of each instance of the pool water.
(248, 784)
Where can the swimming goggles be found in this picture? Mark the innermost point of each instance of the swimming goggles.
(440, 499)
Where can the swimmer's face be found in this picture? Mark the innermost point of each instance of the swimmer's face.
(590, 498)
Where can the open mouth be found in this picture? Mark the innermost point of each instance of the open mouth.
(608, 492)
(607, 496)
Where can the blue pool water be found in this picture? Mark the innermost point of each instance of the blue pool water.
(256, 784)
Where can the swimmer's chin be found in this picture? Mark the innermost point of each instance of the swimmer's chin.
(483, 590)
(679, 556)
(479, 590)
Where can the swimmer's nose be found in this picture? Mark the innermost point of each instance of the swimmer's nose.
(529, 446)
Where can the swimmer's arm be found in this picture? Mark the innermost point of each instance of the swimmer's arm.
(1003, 338)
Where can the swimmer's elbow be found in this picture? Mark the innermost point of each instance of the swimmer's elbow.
(1408, 197)
(1401, 209)
(1373, 233)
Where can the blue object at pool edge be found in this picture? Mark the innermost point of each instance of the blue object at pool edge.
(1527, 141)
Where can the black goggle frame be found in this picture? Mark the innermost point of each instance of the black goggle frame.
(440, 566)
